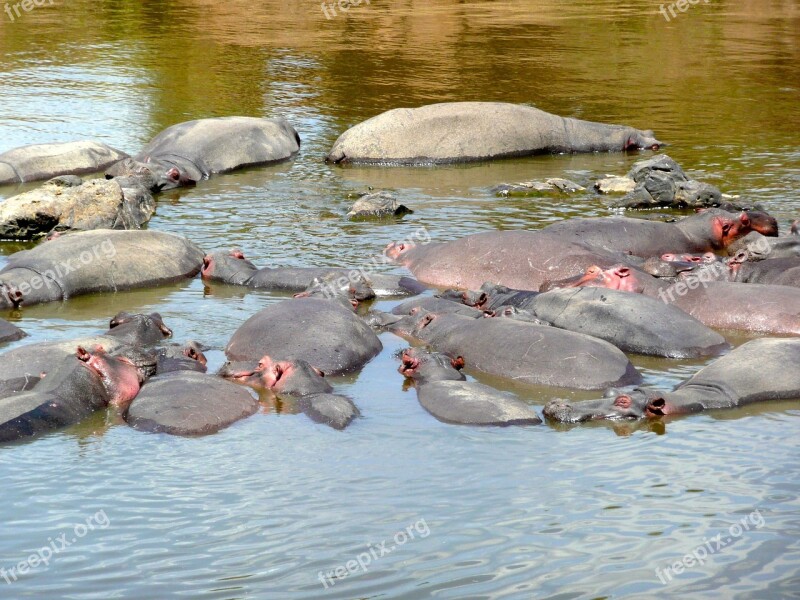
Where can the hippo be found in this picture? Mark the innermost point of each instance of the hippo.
(617, 277)
(522, 260)
(774, 271)
(321, 332)
(439, 305)
(524, 353)
(724, 304)
(632, 322)
(79, 385)
(233, 268)
(177, 357)
(136, 331)
(96, 261)
(297, 378)
(10, 332)
(457, 132)
(758, 371)
(442, 392)
(186, 153)
(189, 403)
(710, 230)
(38, 162)
(760, 247)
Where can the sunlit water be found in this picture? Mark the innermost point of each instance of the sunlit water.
(260, 509)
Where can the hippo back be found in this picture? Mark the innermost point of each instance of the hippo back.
(225, 143)
(108, 260)
(43, 161)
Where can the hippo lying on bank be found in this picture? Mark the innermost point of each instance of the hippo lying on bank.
(758, 371)
(189, 152)
(455, 132)
(296, 378)
(321, 332)
(523, 352)
(189, 403)
(96, 261)
(45, 161)
(233, 268)
(78, 386)
(632, 322)
(442, 391)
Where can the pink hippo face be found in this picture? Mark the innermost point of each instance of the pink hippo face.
(398, 250)
(225, 265)
(618, 277)
(119, 375)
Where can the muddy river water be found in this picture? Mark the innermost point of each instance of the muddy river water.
(267, 507)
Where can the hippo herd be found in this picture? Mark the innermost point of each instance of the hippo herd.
(559, 308)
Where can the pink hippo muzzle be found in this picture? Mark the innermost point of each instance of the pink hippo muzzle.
(119, 375)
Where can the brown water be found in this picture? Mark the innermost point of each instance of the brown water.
(260, 509)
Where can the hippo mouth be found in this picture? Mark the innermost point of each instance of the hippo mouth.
(409, 365)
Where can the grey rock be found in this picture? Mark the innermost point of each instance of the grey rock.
(376, 206)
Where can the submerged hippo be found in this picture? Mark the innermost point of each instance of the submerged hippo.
(632, 322)
(77, 386)
(522, 260)
(750, 307)
(233, 268)
(321, 332)
(713, 229)
(455, 132)
(299, 379)
(760, 370)
(189, 152)
(442, 391)
(189, 403)
(130, 332)
(45, 161)
(523, 352)
(176, 357)
(96, 261)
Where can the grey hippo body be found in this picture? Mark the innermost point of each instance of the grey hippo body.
(76, 387)
(186, 153)
(321, 332)
(38, 162)
(189, 403)
(526, 353)
(758, 371)
(456, 132)
(442, 391)
(96, 261)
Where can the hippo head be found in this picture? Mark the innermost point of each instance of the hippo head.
(423, 366)
(398, 251)
(353, 287)
(293, 377)
(120, 377)
(138, 328)
(469, 298)
(642, 140)
(614, 407)
(10, 295)
(717, 228)
(194, 351)
(153, 176)
(763, 223)
(228, 267)
(518, 314)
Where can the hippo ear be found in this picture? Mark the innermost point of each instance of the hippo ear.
(745, 220)
(173, 174)
(458, 363)
(237, 253)
(319, 371)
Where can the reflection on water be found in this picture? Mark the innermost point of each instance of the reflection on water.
(261, 508)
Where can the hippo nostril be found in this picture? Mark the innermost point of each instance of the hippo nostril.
(206, 261)
(623, 271)
(657, 407)
(623, 401)
(82, 354)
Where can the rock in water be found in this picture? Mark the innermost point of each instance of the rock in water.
(376, 206)
(67, 203)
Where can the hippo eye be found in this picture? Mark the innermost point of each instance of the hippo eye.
(726, 228)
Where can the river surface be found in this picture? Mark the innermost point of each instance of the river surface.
(267, 507)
